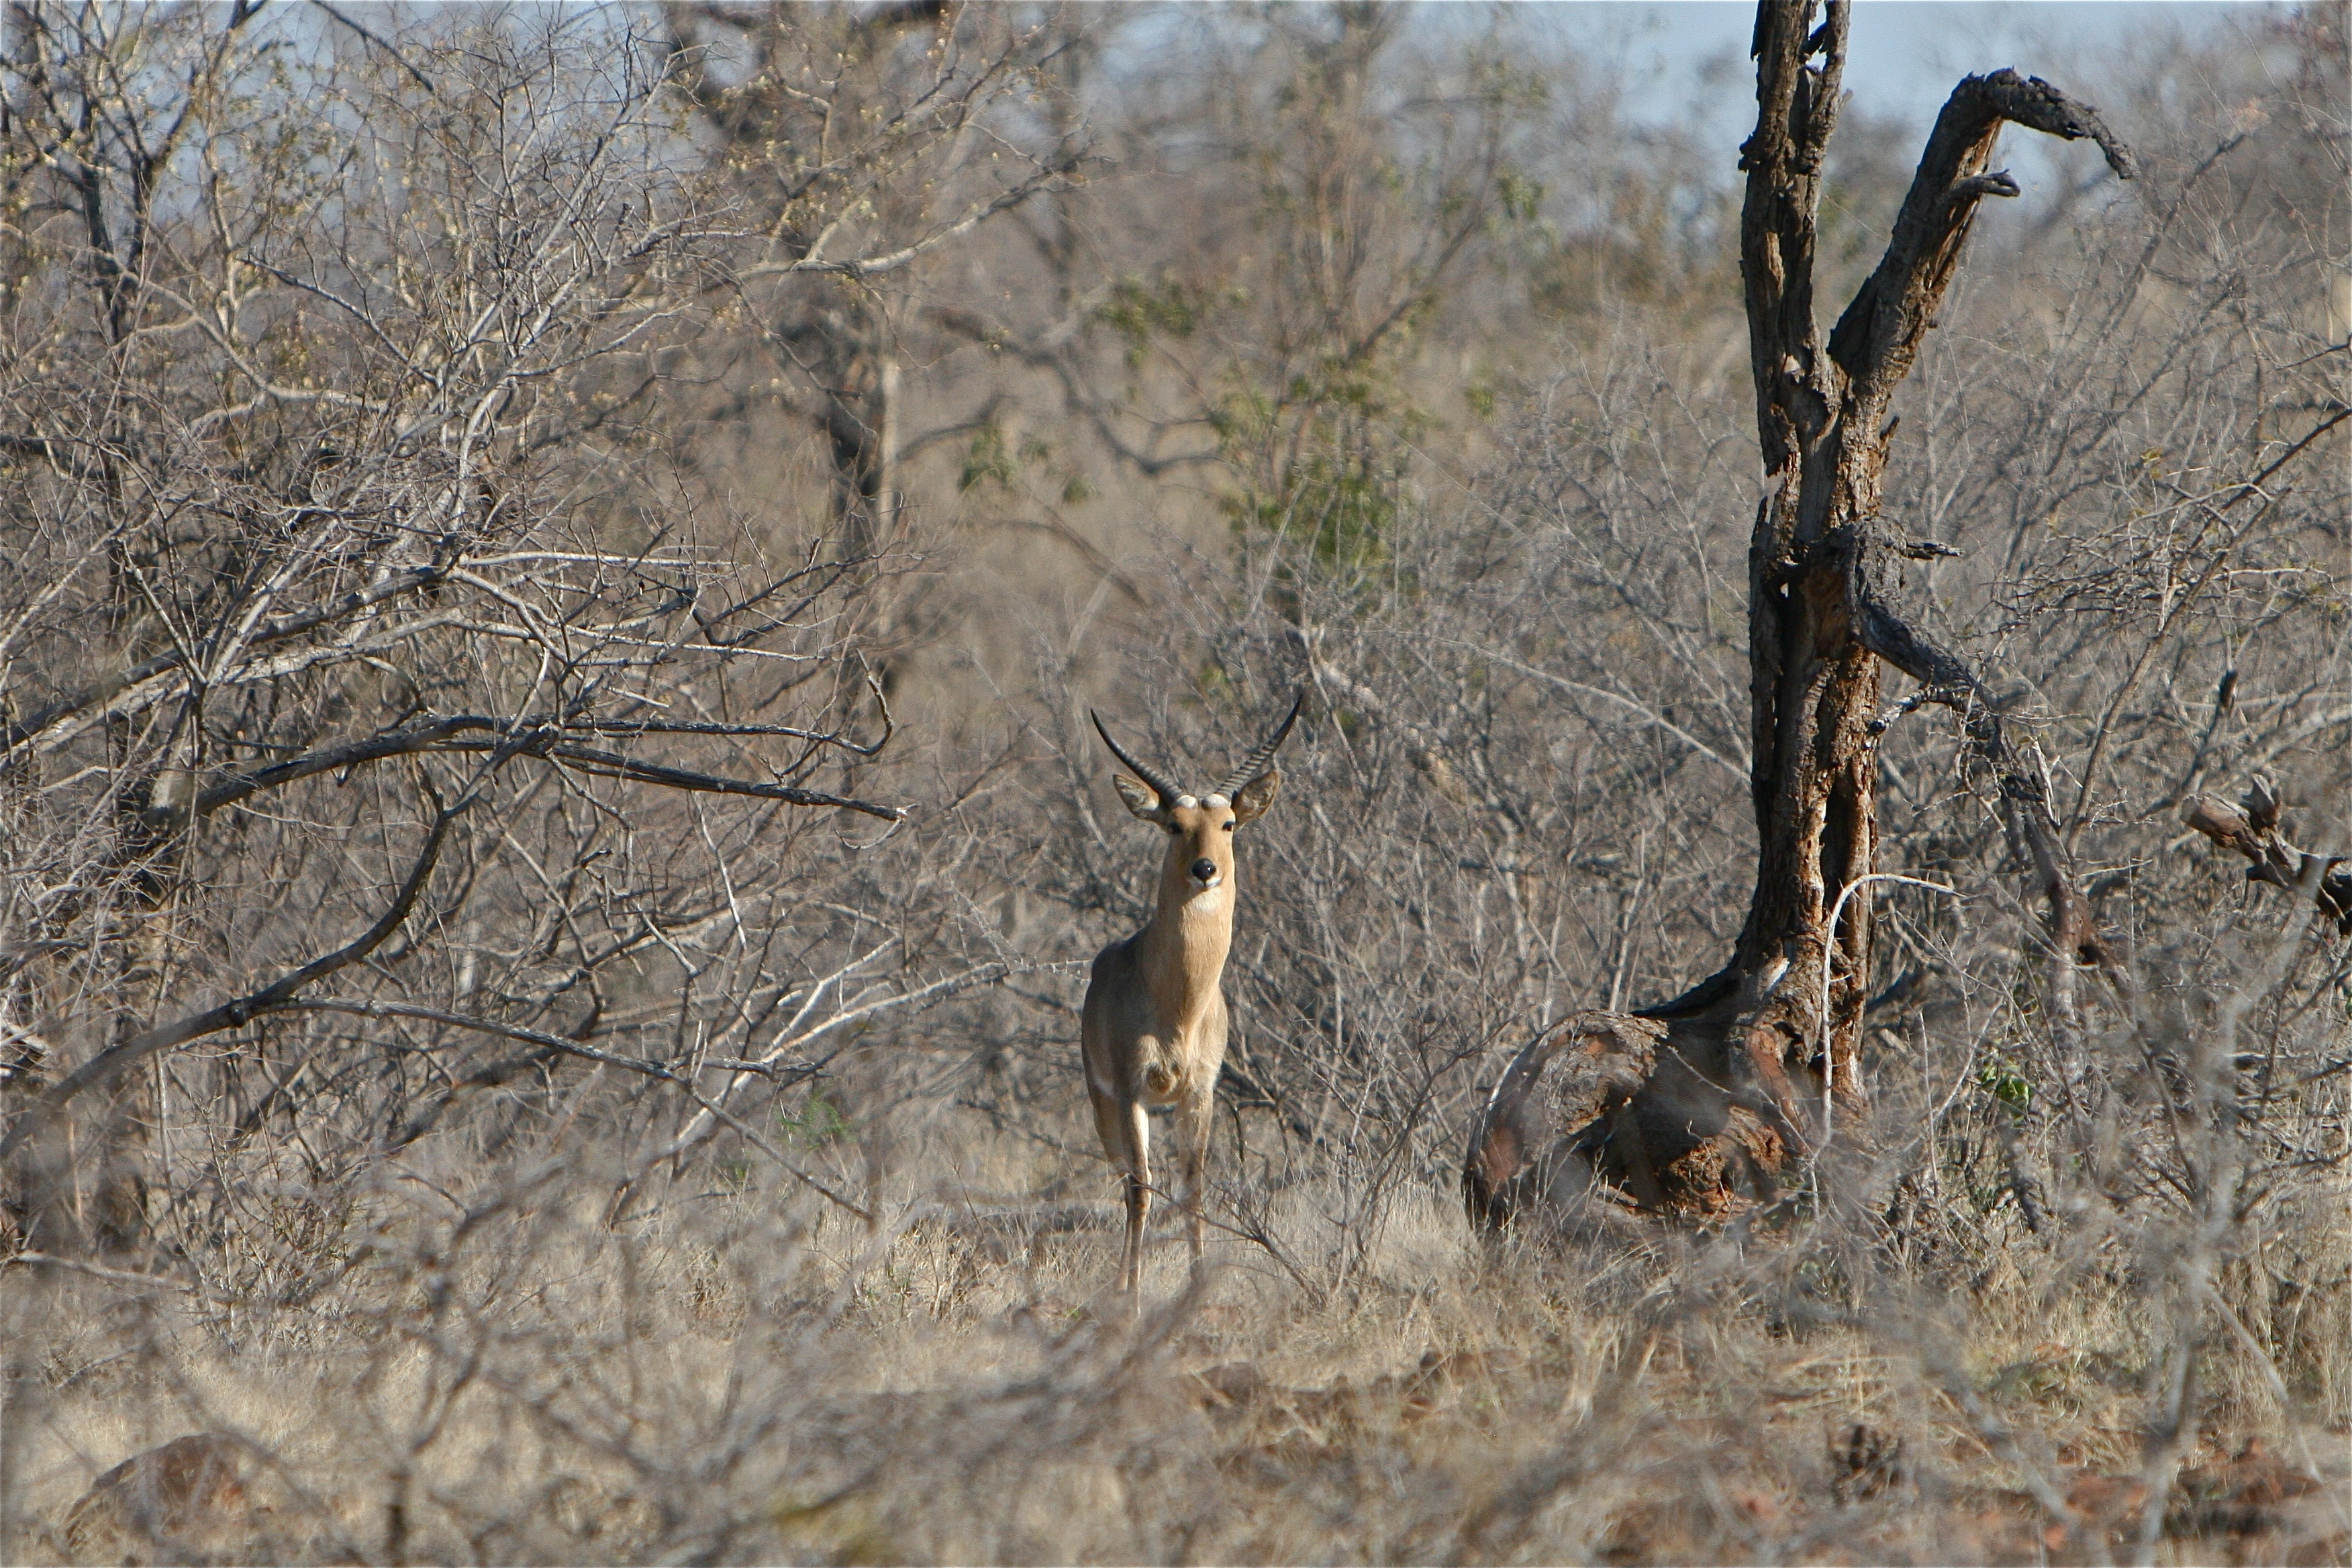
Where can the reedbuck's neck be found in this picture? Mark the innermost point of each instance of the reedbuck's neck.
(1184, 946)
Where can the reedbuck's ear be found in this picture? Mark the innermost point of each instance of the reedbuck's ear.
(1141, 797)
(1256, 796)
(1149, 793)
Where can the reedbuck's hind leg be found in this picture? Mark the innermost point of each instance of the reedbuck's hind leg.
(1199, 1118)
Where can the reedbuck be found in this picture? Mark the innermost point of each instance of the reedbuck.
(1154, 1025)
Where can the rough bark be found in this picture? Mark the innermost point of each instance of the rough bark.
(1735, 1091)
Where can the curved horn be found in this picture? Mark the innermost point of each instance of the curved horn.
(1167, 791)
(1249, 767)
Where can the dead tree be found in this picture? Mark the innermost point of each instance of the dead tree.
(1700, 1106)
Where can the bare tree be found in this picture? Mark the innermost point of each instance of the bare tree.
(356, 643)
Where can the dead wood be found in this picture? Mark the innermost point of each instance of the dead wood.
(2256, 833)
(191, 1489)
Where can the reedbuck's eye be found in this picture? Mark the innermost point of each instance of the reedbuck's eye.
(1231, 826)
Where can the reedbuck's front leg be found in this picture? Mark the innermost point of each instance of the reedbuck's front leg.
(1126, 1134)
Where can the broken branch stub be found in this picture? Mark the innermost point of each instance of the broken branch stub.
(2257, 832)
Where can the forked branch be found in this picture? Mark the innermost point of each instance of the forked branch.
(235, 1015)
(1876, 339)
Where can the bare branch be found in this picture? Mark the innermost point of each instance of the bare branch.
(236, 1014)
(1879, 335)
(529, 737)
(562, 1047)
(1944, 679)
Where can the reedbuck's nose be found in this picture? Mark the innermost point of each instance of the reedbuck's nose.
(1204, 872)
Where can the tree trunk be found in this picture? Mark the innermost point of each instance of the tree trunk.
(1704, 1105)
(841, 345)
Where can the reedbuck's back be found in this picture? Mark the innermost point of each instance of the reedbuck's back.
(1154, 1025)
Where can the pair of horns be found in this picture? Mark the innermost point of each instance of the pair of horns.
(1248, 768)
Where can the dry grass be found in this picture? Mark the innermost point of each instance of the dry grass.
(487, 1373)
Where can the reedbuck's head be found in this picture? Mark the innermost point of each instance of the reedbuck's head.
(1200, 828)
